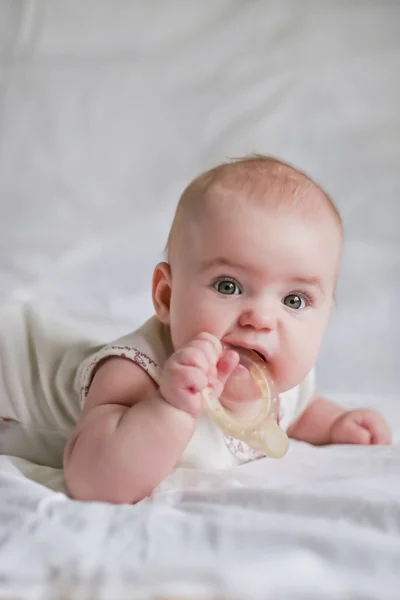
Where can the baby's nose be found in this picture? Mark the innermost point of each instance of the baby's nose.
(258, 318)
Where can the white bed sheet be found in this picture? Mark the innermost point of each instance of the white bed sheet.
(321, 523)
(107, 109)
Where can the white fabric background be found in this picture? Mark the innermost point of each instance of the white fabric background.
(107, 109)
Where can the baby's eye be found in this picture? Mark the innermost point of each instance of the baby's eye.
(294, 301)
(227, 287)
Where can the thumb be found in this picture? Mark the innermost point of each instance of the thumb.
(225, 366)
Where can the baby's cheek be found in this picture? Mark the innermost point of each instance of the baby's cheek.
(288, 377)
(189, 320)
(185, 327)
(293, 367)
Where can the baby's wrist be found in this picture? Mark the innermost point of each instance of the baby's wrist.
(175, 408)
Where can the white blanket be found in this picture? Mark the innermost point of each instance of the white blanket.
(107, 109)
(321, 523)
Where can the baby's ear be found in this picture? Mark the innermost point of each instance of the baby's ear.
(161, 291)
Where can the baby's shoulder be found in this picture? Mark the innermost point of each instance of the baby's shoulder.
(150, 345)
(147, 347)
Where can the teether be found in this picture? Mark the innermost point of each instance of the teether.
(252, 379)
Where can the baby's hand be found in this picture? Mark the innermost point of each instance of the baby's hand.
(199, 364)
(363, 426)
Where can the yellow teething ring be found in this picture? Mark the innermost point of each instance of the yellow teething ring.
(225, 420)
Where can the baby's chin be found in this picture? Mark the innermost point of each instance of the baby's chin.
(240, 386)
(284, 377)
(285, 383)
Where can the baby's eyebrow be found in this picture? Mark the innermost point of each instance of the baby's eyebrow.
(307, 280)
(220, 261)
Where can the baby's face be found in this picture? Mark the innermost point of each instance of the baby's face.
(260, 279)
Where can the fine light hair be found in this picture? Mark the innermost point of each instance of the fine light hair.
(260, 179)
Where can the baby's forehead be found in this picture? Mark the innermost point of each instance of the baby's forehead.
(281, 207)
(259, 247)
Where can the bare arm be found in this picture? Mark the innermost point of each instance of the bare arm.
(315, 424)
(324, 422)
(128, 438)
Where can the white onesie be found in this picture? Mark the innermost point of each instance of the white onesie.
(46, 368)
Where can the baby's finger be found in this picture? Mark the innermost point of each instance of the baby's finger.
(376, 425)
(349, 431)
(226, 365)
(212, 340)
(211, 350)
(192, 356)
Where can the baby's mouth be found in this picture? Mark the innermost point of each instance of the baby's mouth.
(245, 348)
(260, 355)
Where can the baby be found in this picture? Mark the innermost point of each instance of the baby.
(253, 258)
